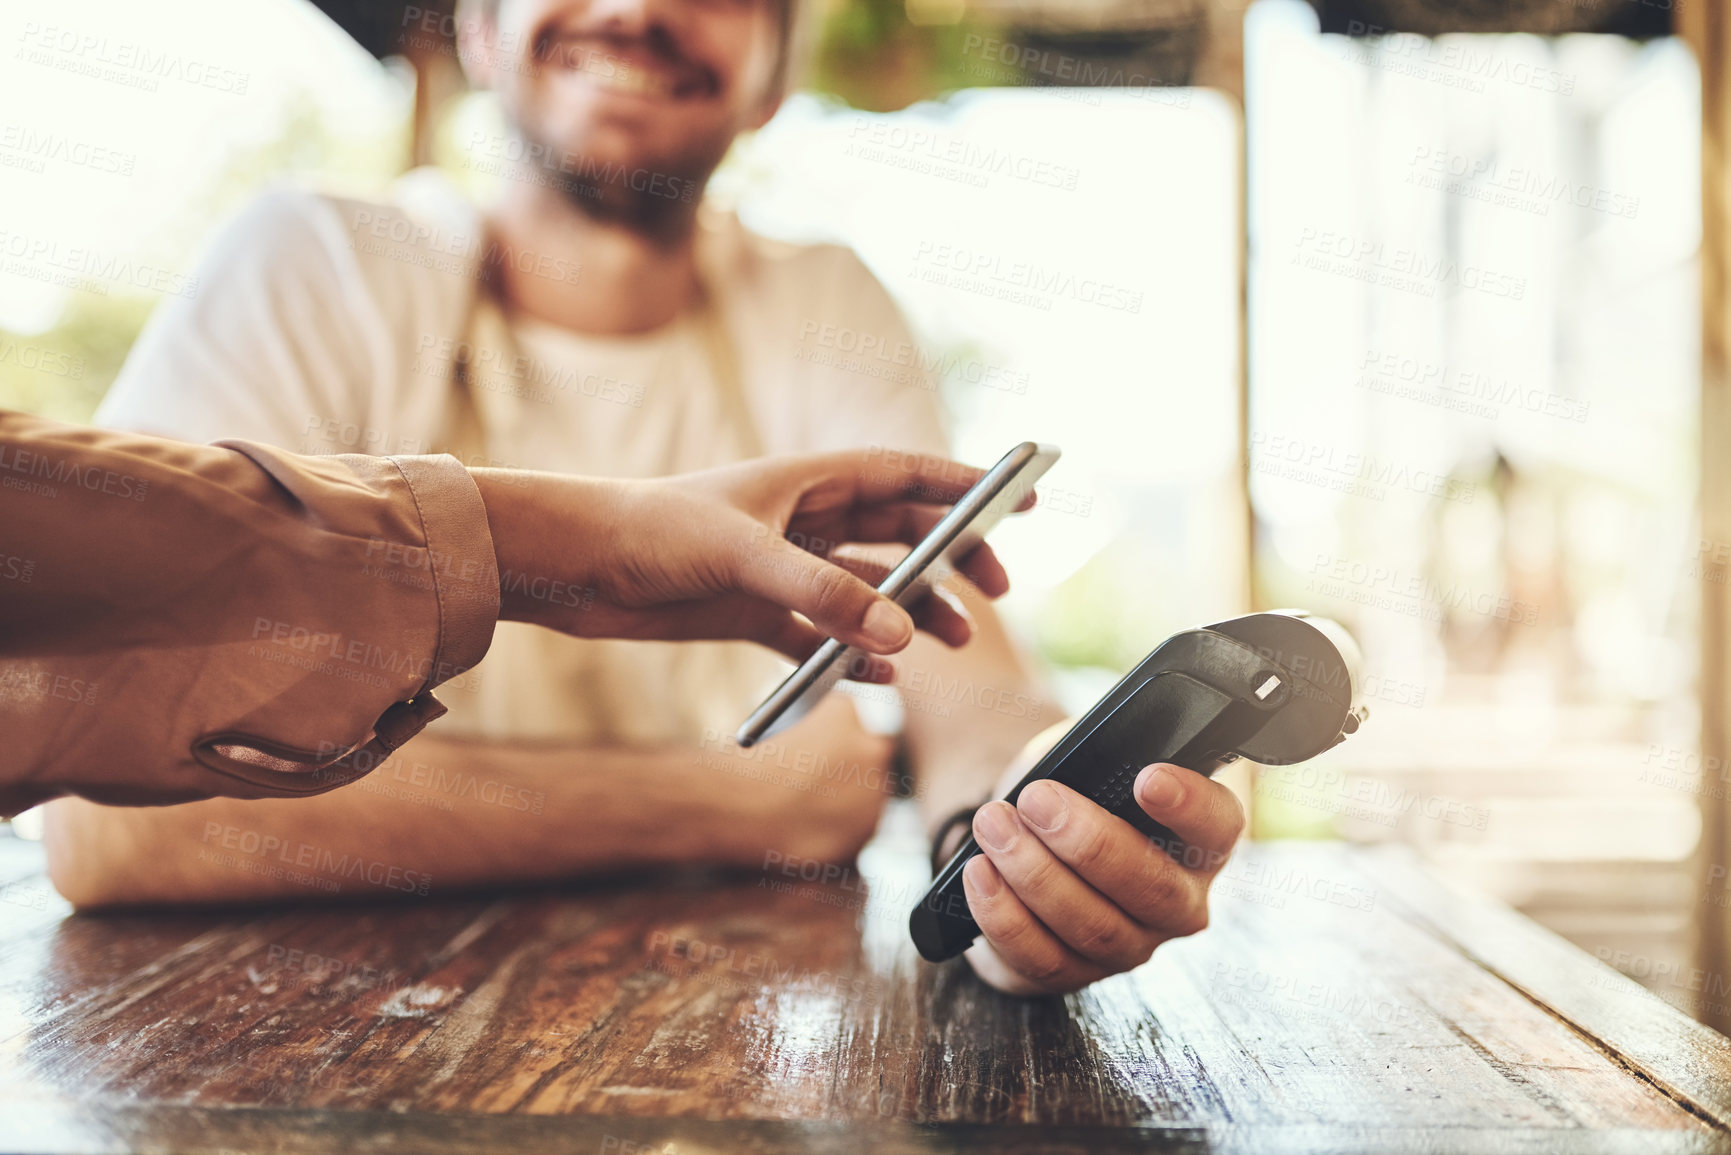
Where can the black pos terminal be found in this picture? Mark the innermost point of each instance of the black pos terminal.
(1276, 688)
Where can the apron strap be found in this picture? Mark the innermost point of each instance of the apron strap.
(472, 417)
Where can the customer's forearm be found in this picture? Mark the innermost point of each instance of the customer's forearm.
(190, 620)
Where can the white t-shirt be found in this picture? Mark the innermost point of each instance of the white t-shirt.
(326, 325)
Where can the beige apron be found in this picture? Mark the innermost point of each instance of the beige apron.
(536, 685)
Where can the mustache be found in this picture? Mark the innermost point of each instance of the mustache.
(590, 49)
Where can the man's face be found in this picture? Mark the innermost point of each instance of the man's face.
(656, 85)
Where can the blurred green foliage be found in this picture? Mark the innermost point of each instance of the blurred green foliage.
(1103, 614)
(1286, 807)
(63, 371)
(872, 56)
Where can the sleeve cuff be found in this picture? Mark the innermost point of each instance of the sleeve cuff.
(462, 563)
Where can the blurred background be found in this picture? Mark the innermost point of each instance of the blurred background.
(1378, 309)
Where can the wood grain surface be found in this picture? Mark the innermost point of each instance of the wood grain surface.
(1342, 1000)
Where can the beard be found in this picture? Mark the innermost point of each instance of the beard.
(657, 199)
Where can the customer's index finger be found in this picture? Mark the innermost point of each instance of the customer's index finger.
(891, 474)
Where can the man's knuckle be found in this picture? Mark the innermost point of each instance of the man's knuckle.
(834, 589)
(1195, 919)
(1106, 939)
(1227, 814)
(1044, 969)
(1021, 943)
(1039, 875)
(1091, 846)
(995, 920)
(1136, 952)
(1006, 929)
(1160, 888)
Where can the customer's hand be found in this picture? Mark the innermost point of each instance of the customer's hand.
(1066, 893)
(733, 552)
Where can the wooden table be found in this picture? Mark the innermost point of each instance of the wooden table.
(1343, 1000)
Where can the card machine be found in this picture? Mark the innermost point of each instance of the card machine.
(1278, 688)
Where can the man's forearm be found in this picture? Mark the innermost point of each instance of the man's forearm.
(969, 711)
(446, 815)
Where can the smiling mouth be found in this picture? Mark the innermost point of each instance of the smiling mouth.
(654, 79)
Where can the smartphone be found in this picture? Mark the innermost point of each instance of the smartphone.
(965, 526)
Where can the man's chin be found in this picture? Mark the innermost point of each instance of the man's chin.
(642, 194)
(622, 145)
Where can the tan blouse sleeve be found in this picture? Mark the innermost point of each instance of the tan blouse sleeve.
(180, 621)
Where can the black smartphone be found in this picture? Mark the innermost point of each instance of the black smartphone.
(963, 528)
